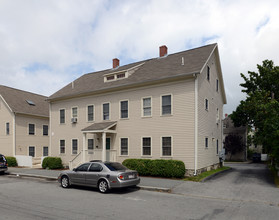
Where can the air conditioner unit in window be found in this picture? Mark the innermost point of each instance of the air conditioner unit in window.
(74, 120)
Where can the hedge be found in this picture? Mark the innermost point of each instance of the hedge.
(11, 161)
(157, 168)
(52, 163)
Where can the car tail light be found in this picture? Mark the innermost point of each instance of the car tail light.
(121, 177)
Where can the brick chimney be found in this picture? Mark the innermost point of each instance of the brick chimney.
(115, 63)
(163, 50)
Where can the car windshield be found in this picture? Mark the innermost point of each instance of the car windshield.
(115, 166)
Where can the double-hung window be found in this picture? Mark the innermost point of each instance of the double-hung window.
(166, 146)
(31, 129)
(206, 142)
(74, 146)
(74, 112)
(166, 105)
(146, 103)
(45, 130)
(124, 109)
(90, 113)
(90, 146)
(106, 111)
(124, 146)
(208, 73)
(146, 146)
(62, 146)
(206, 104)
(7, 128)
(62, 116)
(45, 151)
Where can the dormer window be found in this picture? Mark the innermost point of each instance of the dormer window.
(122, 75)
(109, 78)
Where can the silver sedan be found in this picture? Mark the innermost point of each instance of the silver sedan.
(103, 175)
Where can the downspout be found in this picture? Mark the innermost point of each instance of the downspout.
(196, 124)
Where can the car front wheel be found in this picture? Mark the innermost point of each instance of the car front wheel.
(103, 186)
(65, 182)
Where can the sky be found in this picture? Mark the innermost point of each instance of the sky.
(46, 44)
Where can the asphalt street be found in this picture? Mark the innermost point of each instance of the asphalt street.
(245, 192)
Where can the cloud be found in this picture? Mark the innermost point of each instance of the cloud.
(47, 44)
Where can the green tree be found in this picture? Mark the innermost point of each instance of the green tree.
(260, 110)
(233, 144)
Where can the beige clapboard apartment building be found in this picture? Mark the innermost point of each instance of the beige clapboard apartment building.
(169, 107)
(24, 124)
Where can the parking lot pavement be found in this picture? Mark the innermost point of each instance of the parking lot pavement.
(244, 182)
(148, 183)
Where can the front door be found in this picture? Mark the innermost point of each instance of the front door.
(107, 149)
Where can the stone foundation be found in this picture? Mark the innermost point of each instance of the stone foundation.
(190, 172)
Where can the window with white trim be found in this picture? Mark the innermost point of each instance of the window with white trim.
(74, 112)
(166, 146)
(206, 142)
(124, 109)
(45, 130)
(106, 111)
(206, 104)
(90, 145)
(7, 128)
(166, 105)
(90, 113)
(146, 103)
(31, 129)
(45, 151)
(62, 116)
(74, 146)
(62, 146)
(208, 73)
(146, 146)
(124, 146)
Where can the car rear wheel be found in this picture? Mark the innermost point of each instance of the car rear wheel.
(103, 186)
(65, 182)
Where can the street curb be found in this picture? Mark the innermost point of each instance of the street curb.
(215, 174)
(33, 176)
(148, 188)
(155, 189)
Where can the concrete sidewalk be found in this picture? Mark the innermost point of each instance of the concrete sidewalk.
(147, 183)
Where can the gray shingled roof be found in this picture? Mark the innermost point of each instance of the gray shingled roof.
(152, 70)
(16, 100)
(99, 126)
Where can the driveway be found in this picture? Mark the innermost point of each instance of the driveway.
(244, 182)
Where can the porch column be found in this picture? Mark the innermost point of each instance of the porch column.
(83, 147)
(104, 137)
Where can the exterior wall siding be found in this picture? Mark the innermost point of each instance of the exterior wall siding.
(6, 141)
(179, 125)
(207, 126)
(24, 140)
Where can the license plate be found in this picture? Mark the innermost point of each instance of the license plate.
(131, 176)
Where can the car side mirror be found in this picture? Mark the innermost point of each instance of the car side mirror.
(75, 169)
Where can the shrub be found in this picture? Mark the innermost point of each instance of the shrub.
(11, 161)
(157, 168)
(52, 163)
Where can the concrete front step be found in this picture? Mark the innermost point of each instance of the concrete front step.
(36, 166)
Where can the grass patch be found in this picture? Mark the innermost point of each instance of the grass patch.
(203, 175)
